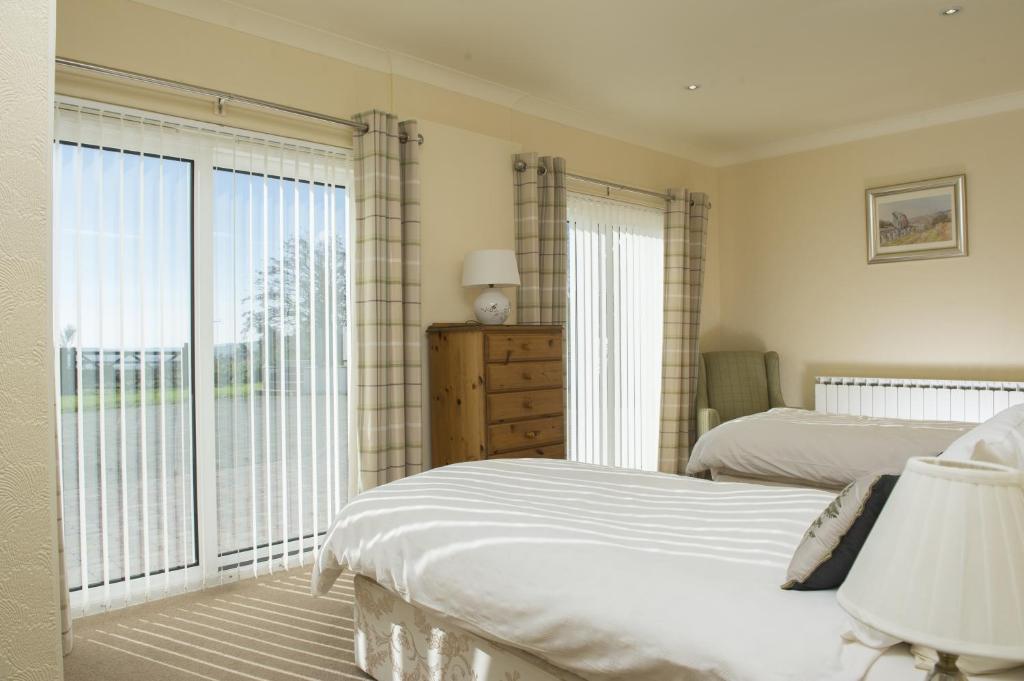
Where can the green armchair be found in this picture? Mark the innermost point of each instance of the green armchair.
(734, 384)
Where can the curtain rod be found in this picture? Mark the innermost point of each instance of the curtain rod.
(520, 166)
(220, 96)
(616, 185)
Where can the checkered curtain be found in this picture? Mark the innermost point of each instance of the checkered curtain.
(386, 272)
(541, 240)
(686, 221)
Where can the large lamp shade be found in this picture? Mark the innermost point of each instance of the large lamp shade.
(943, 566)
(490, 268)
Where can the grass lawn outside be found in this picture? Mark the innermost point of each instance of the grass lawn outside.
(133, 398)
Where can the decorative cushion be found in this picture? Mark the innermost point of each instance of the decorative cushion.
(834, 539)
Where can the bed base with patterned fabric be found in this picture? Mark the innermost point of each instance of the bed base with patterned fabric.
(396, 641)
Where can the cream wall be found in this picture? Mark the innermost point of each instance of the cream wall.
(795, 277)
(466, 161)
(458, 220)
(29, 629)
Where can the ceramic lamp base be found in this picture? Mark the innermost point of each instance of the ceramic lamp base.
(492, 307)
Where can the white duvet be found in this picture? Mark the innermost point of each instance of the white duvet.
(610, 574)
(822, 450)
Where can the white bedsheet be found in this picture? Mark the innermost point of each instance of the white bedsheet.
(824, 450)
(610, 574)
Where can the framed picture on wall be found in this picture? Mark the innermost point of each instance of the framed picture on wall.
(917, 220)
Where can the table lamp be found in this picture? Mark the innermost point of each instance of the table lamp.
(943, 566)
(491, 268)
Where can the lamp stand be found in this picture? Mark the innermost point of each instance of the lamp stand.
(946, 670)
(492, 306)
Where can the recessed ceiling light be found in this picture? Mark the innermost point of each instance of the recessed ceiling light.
(950, 11)
(693, 86)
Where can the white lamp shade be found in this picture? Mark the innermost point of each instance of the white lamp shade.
(944, 564)
(490, 268)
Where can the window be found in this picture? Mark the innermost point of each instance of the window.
(201, 344)
(614, 331)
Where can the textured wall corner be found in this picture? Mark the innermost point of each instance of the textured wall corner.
(29, 629)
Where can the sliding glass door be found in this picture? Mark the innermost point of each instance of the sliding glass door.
(200, 366)
(614, 331)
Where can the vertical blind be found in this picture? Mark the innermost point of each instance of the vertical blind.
(280, 369)
(200, 332)
(122, 310)
(614, 330)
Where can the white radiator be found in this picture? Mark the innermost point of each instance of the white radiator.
(916, 399)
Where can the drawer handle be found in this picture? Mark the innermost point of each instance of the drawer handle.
(532, 434)
(527, 404)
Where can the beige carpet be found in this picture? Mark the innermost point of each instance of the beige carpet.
(266, 629)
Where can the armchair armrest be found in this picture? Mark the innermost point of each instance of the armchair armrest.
(771, 366)
(707, 419)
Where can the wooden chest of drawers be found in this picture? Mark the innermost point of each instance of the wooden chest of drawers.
(496, 392)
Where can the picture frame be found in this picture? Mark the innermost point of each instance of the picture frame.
(917, 220)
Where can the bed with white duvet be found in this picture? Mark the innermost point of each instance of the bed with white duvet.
(607, 573)
(812, 449)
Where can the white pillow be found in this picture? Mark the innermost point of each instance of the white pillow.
(1003, 435)
(827, 451)
(1008, 452)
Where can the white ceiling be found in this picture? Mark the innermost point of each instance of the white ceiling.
(776, 75)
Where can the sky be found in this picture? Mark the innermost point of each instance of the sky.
(914, 207)
(124, 245)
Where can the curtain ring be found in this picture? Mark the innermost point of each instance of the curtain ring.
(520, 166)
